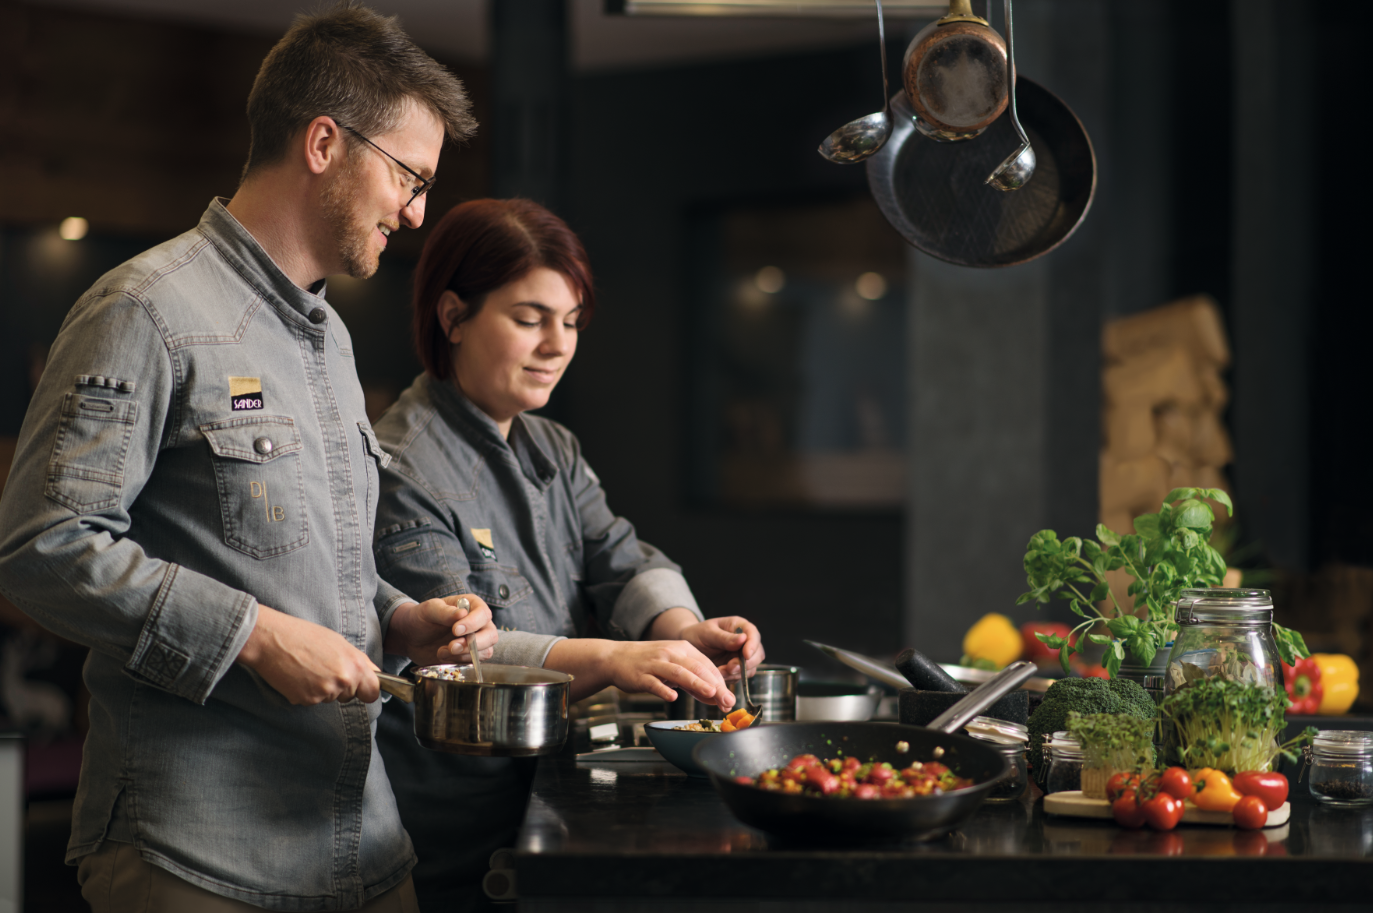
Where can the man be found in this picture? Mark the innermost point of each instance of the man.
(193, 498)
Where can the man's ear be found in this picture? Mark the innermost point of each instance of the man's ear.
(451, 311)
(324, 144)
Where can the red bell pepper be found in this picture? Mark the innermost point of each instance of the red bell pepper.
(1036, 648)
(1304, 688)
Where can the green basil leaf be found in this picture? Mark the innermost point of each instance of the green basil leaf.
(1099, 638)
(1100, 591)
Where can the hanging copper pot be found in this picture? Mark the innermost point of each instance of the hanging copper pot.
(954, 73)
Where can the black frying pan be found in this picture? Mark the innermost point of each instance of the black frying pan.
(754, 750)
(934, 193)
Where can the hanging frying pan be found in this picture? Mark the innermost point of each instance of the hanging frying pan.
(934, 193)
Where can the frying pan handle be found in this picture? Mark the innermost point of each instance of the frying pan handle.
(402, 688)
(983, 696)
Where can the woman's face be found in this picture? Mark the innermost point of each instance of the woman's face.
(510, 356)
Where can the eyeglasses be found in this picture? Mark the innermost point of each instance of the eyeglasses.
(422, 186)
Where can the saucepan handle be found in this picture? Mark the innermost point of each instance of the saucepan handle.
(402, 688)
(983, 696)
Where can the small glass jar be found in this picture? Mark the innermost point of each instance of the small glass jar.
(1341, 769)
(1226, 632)
(1065, 768)
(1009, 739)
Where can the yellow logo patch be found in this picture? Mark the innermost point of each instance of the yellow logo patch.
(245, 393)
(485, 543)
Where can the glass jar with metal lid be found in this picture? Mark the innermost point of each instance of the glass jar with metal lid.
(1010, 739)
(1065, 762)
(1341, 767)
(1225, 632)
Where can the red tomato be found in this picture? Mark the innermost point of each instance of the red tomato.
(934, 769)
(1162, 812)
(1119, 783)
(802, 761)
(866, 791)
(1270, 787)
(746, 781)
(880, 774)
(851, 764)
(1250, 813)
(795, 774)
(1177, 782)
(1127, 812)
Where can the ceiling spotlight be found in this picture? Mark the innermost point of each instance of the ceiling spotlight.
(770, 279)
(871, 286)
(73, 228)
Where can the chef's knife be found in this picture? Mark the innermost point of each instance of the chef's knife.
(883, 672)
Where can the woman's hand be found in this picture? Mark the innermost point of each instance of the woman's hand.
(715, 638)
(658, 667)
(442, 631)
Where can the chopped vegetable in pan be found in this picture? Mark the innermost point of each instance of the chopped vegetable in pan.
(808, 775)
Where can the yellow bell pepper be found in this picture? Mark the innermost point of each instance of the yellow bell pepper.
(1340, 676)
(993, 638)
(1217, 793)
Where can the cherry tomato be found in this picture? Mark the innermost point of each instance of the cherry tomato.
(1127, 812)
(1270, 787)
(880, 774)
(852, 763)
(1250, 813)
(1119, 783)
(802, 761)
(746, 781)
(1177, 782)
(1162, 811)
(865, 791)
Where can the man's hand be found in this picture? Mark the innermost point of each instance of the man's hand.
(659, 667)
(715, 638)
(438, 631)
(308, 663)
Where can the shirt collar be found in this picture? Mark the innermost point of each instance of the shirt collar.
(480, 430)
(242, 250)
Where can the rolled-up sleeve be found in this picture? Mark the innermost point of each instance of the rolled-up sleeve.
(89, 443)
(629, 582)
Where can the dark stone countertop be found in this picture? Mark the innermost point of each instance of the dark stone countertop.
(634, 835)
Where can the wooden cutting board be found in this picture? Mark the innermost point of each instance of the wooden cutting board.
(1074, 804)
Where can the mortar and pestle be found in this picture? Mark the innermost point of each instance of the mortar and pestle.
(935, 691)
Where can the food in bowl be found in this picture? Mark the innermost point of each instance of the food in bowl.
(739, 719)
(851, 778)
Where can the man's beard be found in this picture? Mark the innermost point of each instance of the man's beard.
(339, 200)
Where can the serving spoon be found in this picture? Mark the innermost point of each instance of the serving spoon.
(1017, 167)
(859, 139)
(471, 643)
(754, 710)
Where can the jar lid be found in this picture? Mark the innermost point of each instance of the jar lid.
(1343, 742)
(1002, 732)
(1063, 742)
(1224, 605)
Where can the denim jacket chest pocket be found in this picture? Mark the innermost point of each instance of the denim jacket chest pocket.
(500, 586)
(261, 484)
(377, 459)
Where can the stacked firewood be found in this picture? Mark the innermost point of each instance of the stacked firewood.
(1163, 398)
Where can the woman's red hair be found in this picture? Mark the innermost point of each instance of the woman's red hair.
(480, 246)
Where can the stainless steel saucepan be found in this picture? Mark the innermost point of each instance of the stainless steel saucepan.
(514, 711)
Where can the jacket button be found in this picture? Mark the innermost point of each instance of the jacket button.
(504, 591)
(318, 315)
(263, 445)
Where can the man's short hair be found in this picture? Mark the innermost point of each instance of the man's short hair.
(356, 66)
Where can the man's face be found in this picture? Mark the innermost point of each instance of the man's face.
(366, 195)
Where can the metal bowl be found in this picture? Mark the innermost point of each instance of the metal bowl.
(836, 701)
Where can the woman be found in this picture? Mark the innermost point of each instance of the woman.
(482, 498)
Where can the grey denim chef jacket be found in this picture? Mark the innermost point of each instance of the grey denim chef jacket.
(523, 523)
(198, 443)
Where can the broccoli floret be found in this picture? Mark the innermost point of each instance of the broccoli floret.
(1085, 695)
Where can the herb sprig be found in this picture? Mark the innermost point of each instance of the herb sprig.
(1168, 552)
(1118, 741)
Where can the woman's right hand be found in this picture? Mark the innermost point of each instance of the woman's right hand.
(659, 667)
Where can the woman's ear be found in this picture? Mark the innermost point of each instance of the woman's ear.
(451, 311)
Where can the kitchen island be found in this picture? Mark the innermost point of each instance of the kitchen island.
(629, 836)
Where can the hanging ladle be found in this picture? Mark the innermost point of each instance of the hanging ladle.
(1017, 168)
(860, 138)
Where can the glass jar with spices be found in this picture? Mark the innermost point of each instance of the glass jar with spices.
(1224, 632)
(1010, 739)
(1341, 767)
(1065, 764)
